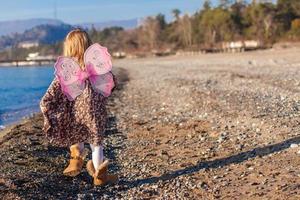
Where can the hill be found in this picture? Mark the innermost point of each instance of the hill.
(19, 26)
(48, 31)
(126, 24)
(44, 34)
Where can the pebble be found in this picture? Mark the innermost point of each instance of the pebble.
(251, 168)
(294, 146)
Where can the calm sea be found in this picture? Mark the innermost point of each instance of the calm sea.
(21, 89)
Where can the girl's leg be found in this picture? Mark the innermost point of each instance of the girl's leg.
(76, 160)
(98, 168)
(97, 155)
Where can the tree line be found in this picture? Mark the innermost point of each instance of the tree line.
(231, 20)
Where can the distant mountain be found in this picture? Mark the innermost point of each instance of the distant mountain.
(46, 34)
(48, 31)
(19, 26)
(126, 24)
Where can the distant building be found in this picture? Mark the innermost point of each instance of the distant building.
(237, 46)
(28, 44)
(36, 57)
(119, 54)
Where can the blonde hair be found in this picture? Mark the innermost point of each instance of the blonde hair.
(75, 44)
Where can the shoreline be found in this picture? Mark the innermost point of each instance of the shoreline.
(3, 65)
(179, 54)
(7, 128)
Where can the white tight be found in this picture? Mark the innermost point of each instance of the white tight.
(97, 154)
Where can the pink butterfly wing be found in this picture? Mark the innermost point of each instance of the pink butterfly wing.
(103, 83)
(67, 71)
(97, 59)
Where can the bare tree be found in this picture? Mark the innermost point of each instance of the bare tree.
(149, 31)
(185, 30)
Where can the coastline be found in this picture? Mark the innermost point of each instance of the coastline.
(3, 65)
(26, 120)
(26, 63)
(42, 63)
(8, 128)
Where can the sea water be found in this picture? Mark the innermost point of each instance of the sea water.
(21, 89)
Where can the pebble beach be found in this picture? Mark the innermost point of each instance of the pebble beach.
(213, 126)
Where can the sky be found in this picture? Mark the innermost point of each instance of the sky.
(80, 11)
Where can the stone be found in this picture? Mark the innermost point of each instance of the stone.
(294, 146)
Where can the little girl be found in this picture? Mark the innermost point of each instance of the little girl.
(74, 121)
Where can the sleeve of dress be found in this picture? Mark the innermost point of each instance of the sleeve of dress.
(49, 102)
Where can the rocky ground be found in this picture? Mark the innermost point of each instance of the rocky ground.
(220, 126)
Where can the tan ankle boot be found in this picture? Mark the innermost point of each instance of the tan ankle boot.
(101, 176)
(90, 168)
(76, 161)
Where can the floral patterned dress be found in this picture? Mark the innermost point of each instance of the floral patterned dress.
(69, 122)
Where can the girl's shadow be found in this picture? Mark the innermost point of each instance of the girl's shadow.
(234, 159)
